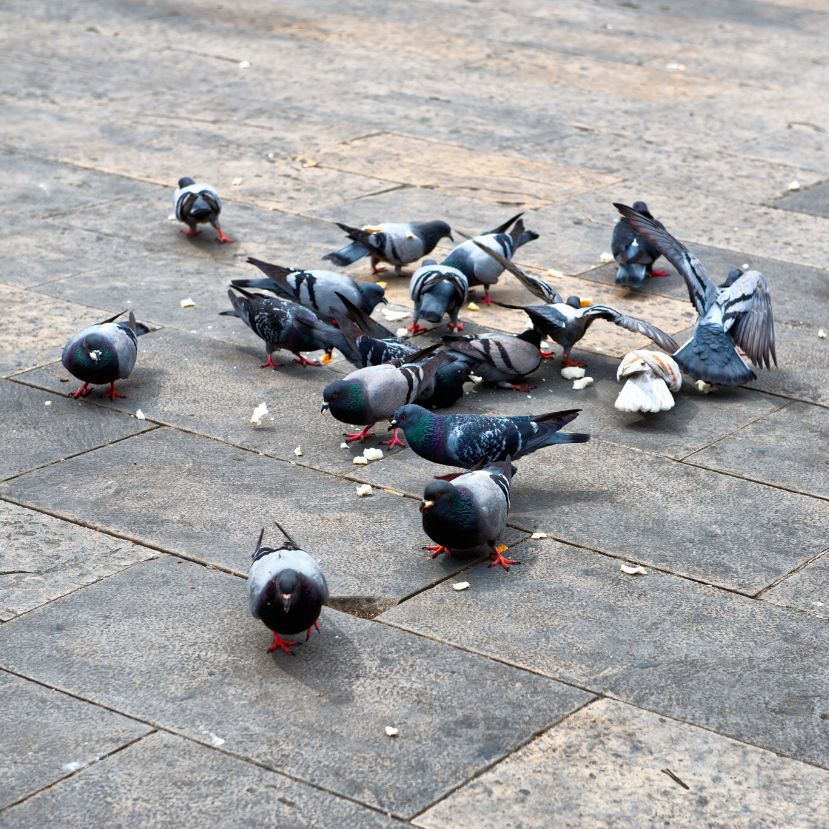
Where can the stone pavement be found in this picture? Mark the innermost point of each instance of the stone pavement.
(136, 690)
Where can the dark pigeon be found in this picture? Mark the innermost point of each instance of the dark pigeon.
(634, 253)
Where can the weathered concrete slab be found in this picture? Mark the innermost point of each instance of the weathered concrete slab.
(807, 589)
(605, 766)
(369, 548)
(782, 449)
(191, 625)
(814, 200)
(183, 782)
(743, 668)
(48, 735)
(41, 428)
(36, 327)
(44, 558)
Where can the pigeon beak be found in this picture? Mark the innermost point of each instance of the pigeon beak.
(324, 408)
(287, 599)
(451, 237)
(426, 505)
(393, 424)
(384, 301)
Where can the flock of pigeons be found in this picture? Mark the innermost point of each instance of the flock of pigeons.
(397, 381)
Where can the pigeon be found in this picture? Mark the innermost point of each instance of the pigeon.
(480, 269)
(448, 387)
(634, 254)
(469, 511)
(397, 244)
(195, 204)
(566, 322)
(318, 290)
(650, 378)
(437, 290)
(102, 354)
(286, 590)
(467, 439)
(285, 324)
(376, 392)
(502, 359)
(738, 313)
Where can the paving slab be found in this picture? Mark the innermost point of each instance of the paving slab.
(813, 199)
(182, 782)
(223, 495)
(44, 558)
(605, 766)
(780, 449)
(48, 735)
(40, 428)
(741, 667)
(191, 625)
(807, 589)
(36, 327)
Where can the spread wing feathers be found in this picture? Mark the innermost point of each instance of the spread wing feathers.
(429, 278)
(540, 315)
(747, 315)
(638, 326)
(531, 283)
(502, 228)
(701, 288)
(503, 352)
(364, 321)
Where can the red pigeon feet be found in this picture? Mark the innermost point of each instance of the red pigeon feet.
(456, 326)
(191, 231)
(83, 391)
(567, 362)
(304, 361)
(487, 300)
(414, 328)
(111, 393)
(393, 441)
(270, 363)
(281, 644)
(547, 355)
(497, 557)
(660, 272)
(525, 387)
(436, 550)
(363, 434)
(221, 238)
(308, 632)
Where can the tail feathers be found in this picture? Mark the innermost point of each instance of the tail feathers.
(558, 419)
(567, 437)
(502, 228)
(710, 355)
(631, 275)
(526, 236)
(275, 272)
(347, 255)
(642, 393)
(363, 320)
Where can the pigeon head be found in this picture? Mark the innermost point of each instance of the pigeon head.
(433, 232)
(733, 275)
(373, 294)
(437, 495)
(94, 359)
(531, 335)
(573, 302)
(417, 423)
(449, 382)
(287, 586)
(641, 207)
(200, 209)
(346, 400)
(185, 182)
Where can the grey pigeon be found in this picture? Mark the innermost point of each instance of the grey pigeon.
(374, 393)
(738, 313)
(397, 244)
(503, 359)
(196, 204)
(286, 590)
(437, 290)
(102, 354)
(469, 511)
(477, 266)
(318, 290)
(285, 324)
(566, 322)
(468, 439)
(634, 253)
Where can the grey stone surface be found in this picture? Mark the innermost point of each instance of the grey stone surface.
(44, 558)
(35, 433)
(740, 667)
(182, 783)
(813, 200)
(807, 589)
(48, 735)
(319, 715)
(604, 766)
(782, 448)
(369, 548)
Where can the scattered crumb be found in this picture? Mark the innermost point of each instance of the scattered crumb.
(633, 570)
(501, 548)
(383, 285)
(555, 273)
(794, 185)
(585, 303)
(326, 358)
(237, 181)
(675, 67)
(372, 228)
(139, 415)
(360, 460)
(47, 403)
(745, 266)
(244, 64)
(258, 413)
(310, 163)
(473, 307)
(63, 379)
(536, 536)
(460, 585)
(70, 767)
(298, 451)
(605, 257)
(573, 372)
(343, 445)
(821, 333)
(391, 731)
(475, 378)
(394, 316)
(363, 490)
(372, 454)
(172, 217)
(582, 383)
(187, 303)
(703, 387)
(402, 332)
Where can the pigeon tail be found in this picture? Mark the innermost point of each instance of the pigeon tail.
(631, 275)
(347, 255)
(710, 355)
(263, 284)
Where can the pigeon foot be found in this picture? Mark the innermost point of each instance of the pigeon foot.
(393, 441)
(525, 387)
(191, 231)
(414, 328)
(362, 435)
(568, 362)
(547, 355)
(308, 632)
(660, 272)
(270, 363)
(456, 326)
(303, 361)
(436, 550)
(111, 393)
(497, 557)
(83, 391)
(281, 644)
(222, 238)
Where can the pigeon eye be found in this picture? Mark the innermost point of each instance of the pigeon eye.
(335, 395)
